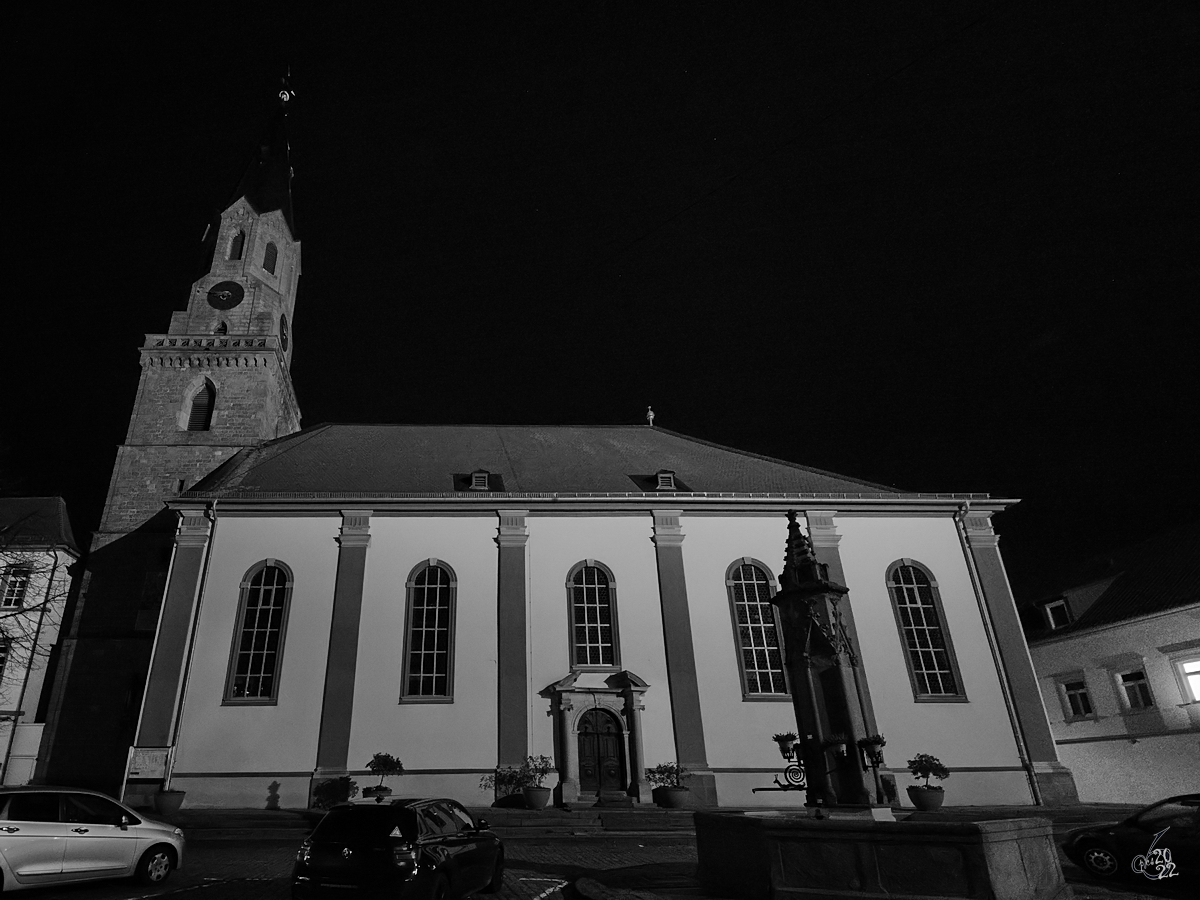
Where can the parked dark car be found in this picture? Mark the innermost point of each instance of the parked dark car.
(410, 849)
(1134, 848)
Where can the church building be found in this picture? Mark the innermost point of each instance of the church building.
(462, 597)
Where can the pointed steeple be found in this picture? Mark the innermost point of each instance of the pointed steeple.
(267, 182)
(800, 564)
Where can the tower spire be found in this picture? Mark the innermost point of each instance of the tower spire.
(267, 181)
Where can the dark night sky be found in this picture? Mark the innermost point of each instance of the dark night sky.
(940, 246)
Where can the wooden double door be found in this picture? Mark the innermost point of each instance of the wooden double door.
(601, 753)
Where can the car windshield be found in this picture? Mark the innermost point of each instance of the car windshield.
(365, 823)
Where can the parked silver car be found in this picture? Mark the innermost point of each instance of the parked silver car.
(56, 835)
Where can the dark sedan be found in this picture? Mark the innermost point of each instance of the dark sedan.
(1160, 843)
(411, 849)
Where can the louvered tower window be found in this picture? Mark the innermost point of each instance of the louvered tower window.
(270, 255)
(237, 245)
(200, 418)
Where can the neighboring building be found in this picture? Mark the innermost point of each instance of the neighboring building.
(463, 596)
(1118, 658)
(37, 552)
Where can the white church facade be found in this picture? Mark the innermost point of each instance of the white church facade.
(462, 597)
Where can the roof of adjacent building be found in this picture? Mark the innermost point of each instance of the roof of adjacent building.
(1158, 574)
(35, 523)
(389, 460)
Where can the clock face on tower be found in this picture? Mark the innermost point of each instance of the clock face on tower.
(225, 295)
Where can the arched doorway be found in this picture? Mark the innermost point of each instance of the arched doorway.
(601, 753)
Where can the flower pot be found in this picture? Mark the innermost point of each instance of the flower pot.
(379, 792)
(926, 799)
(536, 797)
(167, 803)
(785, 748)
(671, 797)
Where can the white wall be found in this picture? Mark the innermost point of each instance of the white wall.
(265, 739)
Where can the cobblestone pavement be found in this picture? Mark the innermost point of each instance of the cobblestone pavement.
(261, 870)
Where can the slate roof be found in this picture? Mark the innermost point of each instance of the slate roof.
(29, 523)
(387, 460)
(1155, 575)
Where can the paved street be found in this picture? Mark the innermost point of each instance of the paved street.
(631, 864)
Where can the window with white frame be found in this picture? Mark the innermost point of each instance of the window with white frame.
(254, 664)
(1135, 689)
(429, 645)
(15, 586)
(593, 615)
(1187, 671)
(920, 617)
(1076, 700)
(756, 627)
(1058, 614)
(3, 657)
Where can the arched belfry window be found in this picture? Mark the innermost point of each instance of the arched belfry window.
(254, 663)
(203, 401)
(222, 328)
(238, 245)
(429, 634)
(270, 255)
(592, 605)
(921, 620)
(758, 636)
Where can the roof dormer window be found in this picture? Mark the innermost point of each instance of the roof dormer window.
(666, 480)
(1058, 614)
(479, 480)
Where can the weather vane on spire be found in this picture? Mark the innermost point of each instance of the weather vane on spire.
(286, 94)
(650, 416)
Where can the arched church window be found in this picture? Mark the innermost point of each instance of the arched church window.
(221, 328)
(238, 245)
(254, 664)
(592, 605)
(200, 417)
(270, 255)
(429, 634)
(921, 620)
(756, 630)
(283, 332)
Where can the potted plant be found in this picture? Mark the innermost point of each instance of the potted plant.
(668, 788)
(383, 765)
(505, 782)
(168, 801)
(835, 742)
(332, 791)
(533, 772)
(871, 748)
(926, 796)
(787, 742)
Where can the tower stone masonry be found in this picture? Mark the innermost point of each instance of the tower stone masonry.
(215, 382)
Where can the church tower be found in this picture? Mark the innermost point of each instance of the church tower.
(217, 381)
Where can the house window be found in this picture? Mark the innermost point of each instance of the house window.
(928, 651)
(203, 401)
(591, 589)
(756, 630)
(3, 657)
(429, 641)
(1079, 704)
(1188, 673)
(1058, 614)
(237, 245)
(1135, 689)
(270, 255)
(16, 584)
(258, 639)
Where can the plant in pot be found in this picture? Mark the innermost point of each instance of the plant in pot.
(533, 772)
(504, 783)
(383, 765)
(787, 743)
(667, 782)
(836, 743)
(871, 748)
(926, 796)
(332, 791)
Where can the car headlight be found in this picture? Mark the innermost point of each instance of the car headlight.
(178, 832)
(304, 852)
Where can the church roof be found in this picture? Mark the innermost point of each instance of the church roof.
(353, 460)
(1156, 575)
(29, 523)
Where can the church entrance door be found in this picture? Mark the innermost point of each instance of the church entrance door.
(601, 753)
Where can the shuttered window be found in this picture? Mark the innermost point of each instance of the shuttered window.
(200, 417)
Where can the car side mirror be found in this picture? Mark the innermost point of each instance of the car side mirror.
(481, 825)
(124, 823)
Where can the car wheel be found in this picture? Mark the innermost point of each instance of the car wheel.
(155, 865)
(1099, 861)
(497, 875)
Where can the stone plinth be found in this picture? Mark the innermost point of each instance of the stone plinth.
(760, 857)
